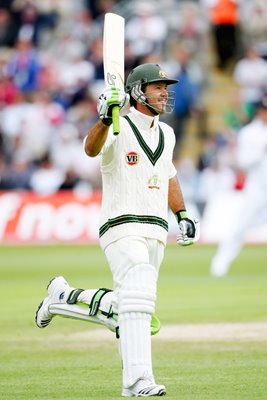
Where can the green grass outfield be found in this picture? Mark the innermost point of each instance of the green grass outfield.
(75, 360)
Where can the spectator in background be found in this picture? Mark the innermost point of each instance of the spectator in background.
(3, 172)
(147, 30)
(188, 176)
(17, 174)
(237, 113)
(8, 29)
(11, 116)
(66, 155)
(99, 7)
(8, 90)
(215, 165)
(188, 94)
(27, 14)
(47, 178)
(24, 66)
(216, 178)
(95, 56)
(224, 21)
(76, 73)
(253, 17)
(39, 123)
(190, 28)
(250, 73)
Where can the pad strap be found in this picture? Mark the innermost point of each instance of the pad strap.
(73, 296)
(96, 299)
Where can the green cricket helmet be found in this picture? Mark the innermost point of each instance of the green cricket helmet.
(145, 74)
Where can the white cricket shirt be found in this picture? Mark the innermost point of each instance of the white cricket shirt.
(136, 167)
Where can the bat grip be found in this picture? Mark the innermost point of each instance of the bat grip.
(116, 120)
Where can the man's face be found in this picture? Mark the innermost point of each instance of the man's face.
(157, 96)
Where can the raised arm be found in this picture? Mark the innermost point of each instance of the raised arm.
(96, 138)
(97, 135)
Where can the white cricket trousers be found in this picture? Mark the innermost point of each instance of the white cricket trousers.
(135, 263)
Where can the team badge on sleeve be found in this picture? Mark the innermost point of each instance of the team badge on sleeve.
(132, 158)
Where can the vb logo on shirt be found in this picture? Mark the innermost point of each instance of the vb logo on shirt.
(132, 158)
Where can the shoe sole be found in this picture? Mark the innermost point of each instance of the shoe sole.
(44, 323)
(128, 393)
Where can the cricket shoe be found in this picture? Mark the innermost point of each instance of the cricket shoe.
(56, 289)
(144, 388)
(219, 269)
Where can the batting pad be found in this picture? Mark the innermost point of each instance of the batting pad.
(82, 313)
(138, 290)
(135, 347)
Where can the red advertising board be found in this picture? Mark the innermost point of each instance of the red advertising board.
(65, 216)
(70, 217)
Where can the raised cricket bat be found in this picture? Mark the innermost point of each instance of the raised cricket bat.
(113, 58)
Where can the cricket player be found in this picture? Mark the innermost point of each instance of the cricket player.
(139, 183)
(252, 159)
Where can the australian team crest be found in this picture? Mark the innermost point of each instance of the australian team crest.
(132, 158)
(154, 182)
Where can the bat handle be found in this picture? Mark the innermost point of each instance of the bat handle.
(116, 120)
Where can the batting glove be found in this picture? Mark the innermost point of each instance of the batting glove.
(189, 229)
(110, 97)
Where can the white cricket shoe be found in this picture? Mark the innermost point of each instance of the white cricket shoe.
(144, 388)
(219, 268)
(56, 288)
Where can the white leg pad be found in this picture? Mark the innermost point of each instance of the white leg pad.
(82, 313)
(135, 347)
(136, 304)
(138, 290)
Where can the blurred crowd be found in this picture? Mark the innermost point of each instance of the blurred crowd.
(51, 74)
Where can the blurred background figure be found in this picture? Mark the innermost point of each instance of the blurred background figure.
(252, 159)
(47, 179)
(188, 93)
(250, 74)
(146, 31)
(224, 20)
(253, 16)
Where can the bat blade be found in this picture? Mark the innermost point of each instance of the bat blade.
(113, 57)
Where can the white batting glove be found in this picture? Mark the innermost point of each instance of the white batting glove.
(110, 97)
(189, 229)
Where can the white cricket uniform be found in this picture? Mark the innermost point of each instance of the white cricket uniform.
(252, 158)
(136, 168)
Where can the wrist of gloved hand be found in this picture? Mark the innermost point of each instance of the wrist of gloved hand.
(110, 97)
(106, 121)
(186, 225)
(189, 229)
